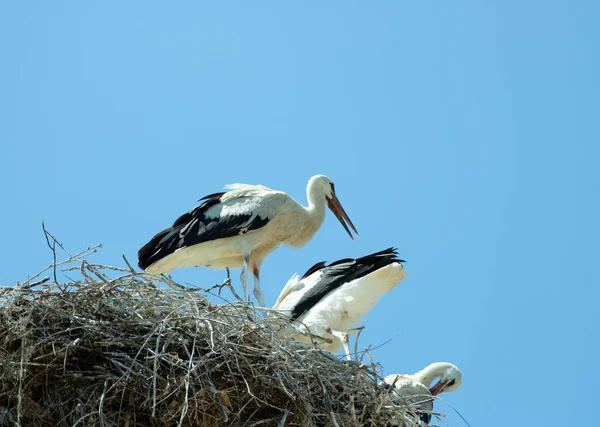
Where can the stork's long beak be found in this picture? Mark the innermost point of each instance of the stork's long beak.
(438, 388)
(337, 209)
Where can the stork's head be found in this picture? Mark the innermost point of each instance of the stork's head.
(321, 186)
(450, 381)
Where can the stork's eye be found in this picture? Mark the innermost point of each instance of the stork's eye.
(332, 187)
(451, 383)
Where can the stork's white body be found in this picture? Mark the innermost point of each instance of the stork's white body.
(289, 224)
(239, 228)
(409, 391)
(344, 308)
(339, 311)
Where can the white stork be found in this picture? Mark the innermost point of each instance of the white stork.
(328, 301)
(240, 227)
(414, 390)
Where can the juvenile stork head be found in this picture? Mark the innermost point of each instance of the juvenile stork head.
(450, 381)
(321, 187)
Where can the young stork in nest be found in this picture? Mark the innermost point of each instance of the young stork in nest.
(329, 300)
(414, 390)
(240, 227)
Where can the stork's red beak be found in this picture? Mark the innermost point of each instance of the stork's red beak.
(438, 388)
(337, 209)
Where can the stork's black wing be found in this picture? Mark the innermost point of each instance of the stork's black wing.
(339, 272)
(196, 227)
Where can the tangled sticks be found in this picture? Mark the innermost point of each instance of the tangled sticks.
(141, 350)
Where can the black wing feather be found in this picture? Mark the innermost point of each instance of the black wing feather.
(212, 196)
(314, 268)
(194, 227)
(339, 272)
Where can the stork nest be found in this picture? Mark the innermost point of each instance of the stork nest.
(141, 350)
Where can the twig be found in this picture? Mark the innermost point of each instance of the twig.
(76, 257)
(52, 247)
(101, 405)
(282, 422)
(184, 410)
(226, 283)
(371, 348)
(219, 400)
(39, 282)
(330, 413)
(154, 377)
(353, 411)
(56, 241)
(360, 329)
(128, 265)
(22, 371)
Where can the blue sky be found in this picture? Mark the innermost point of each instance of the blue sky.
(465, 134)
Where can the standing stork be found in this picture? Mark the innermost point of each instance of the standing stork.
(414, 390)
(240, 227)
(329, 300)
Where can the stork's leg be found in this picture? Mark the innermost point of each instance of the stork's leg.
(344, 338)
(244, 278)
(257, 292)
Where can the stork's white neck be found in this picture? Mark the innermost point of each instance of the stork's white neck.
(316, 200)
(431, 372)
